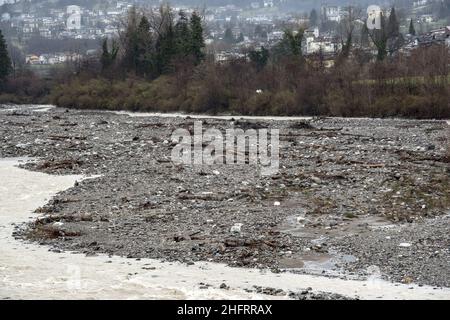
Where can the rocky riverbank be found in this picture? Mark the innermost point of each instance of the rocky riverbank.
(353, 197)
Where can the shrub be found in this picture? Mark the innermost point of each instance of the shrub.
(284, 103)
(256, 104)
(24, 88)
(336, 103)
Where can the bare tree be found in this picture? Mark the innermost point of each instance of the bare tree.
(346, 31)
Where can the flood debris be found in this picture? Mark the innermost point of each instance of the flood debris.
(362, 186)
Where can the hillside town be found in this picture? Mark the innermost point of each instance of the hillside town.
(231, 31)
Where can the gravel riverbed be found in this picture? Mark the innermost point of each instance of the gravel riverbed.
(353, 197)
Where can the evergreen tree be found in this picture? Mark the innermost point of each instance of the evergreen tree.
(104, 59)
(381, 40)
(264, 34)
(183, 35)
(289, 46)
(149, 49)
(412, 30)
(228, 36)
(108, 56)
(144, 51)
(259, 57)
(293, 42)
(258, 31)
(388, 38)
(130, 42)
(166, 49)
(197, 40)
(165, 43)
(5, 61)
(393, 26)
(240, 38)
(313, 18)
(364, 35)
(394, 38)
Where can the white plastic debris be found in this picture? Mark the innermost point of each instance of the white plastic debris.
(276, 203)
(405, 244)
(236, 228)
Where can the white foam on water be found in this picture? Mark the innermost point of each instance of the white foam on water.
(33, 107)
(45, 107)
(204, 116)
(30, 271)
(229, 117)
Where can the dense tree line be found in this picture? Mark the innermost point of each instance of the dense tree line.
(414, 86)
(163, 59)
(151, 42)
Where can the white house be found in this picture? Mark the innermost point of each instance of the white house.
(74, 19)
(331, 13)
(420, 3)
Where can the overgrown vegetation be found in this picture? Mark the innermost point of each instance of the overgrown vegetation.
(285, 87)
(25, 88)
(22, 86)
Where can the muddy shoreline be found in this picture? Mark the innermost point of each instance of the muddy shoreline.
(357, 197)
